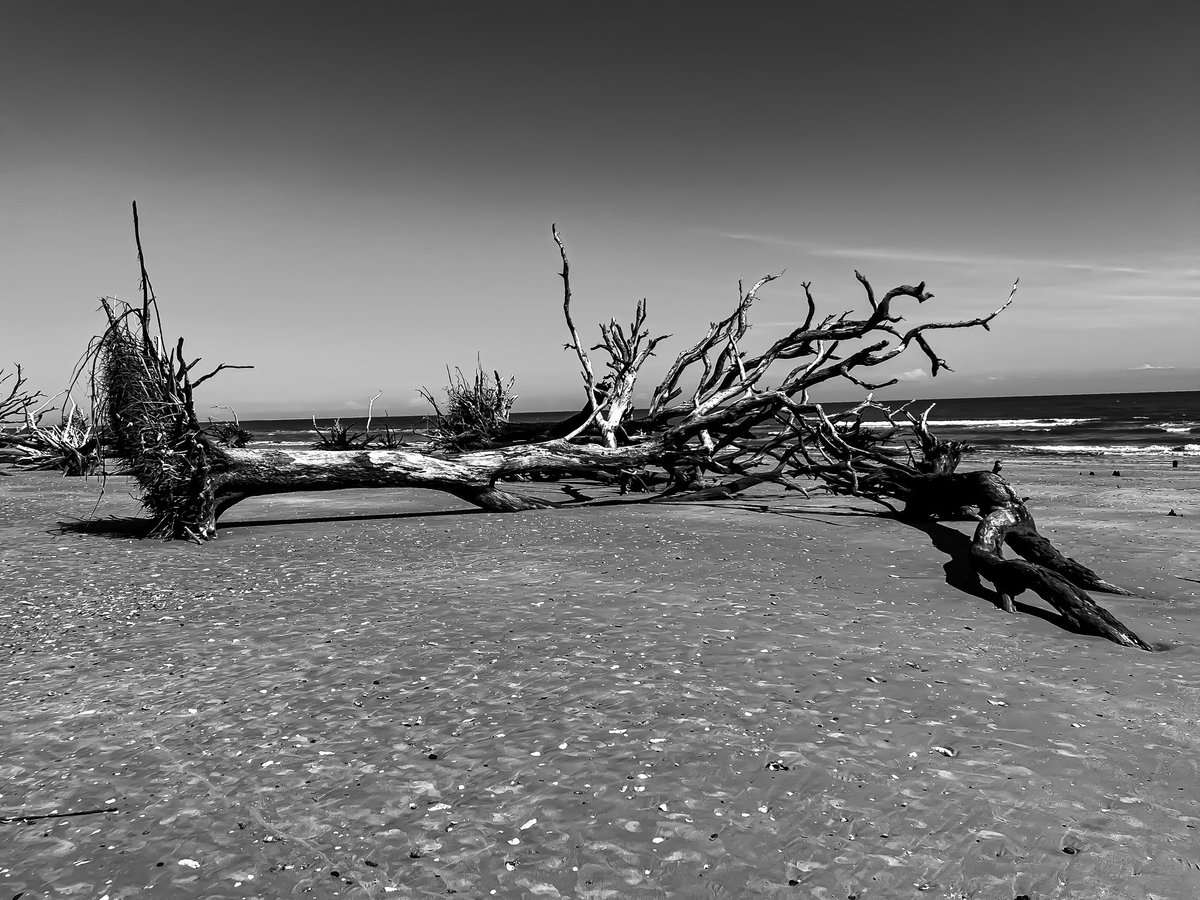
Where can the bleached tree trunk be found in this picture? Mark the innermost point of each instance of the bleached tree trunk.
(234, 475)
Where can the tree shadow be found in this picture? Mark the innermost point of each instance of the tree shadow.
(140, 527)
(109, 526)
(370, 517)
(961, 575)
(829, 512)
(137, 527)
(822, 513)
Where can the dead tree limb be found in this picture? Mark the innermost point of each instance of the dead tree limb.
(589, 375)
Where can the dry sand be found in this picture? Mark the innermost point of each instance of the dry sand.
(382, 694)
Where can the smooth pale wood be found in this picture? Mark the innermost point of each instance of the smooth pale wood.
(236, 474)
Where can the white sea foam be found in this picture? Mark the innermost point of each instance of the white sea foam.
(1110, 449)
(1012, 424)
(1176, 427)
(1040, 424)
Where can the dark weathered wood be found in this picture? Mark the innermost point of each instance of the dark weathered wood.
(1013, 576)
(931, 488)
(1056, 578)
(1026, 541)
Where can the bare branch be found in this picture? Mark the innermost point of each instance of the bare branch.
(203, 378)
(18, 400)
(231, 411)
(371, 407)
(867, 287)
(589, 376)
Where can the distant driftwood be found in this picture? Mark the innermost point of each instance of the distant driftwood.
(71, 446)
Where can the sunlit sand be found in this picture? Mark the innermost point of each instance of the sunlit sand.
(383, 693)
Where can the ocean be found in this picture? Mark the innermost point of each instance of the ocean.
(1162, 424)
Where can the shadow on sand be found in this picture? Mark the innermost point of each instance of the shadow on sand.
(109, 526)
(961, 576)
(956, 545)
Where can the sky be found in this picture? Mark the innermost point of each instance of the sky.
(351, 196)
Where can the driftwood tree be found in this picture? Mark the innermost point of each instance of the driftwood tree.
(229, 433)
(474, 413)
(704, 428)
(17, 401)
(70, 446)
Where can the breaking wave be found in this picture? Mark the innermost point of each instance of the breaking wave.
(1175, 427)
(1108, 449)
(1014, 424)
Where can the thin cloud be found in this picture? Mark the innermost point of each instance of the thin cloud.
(1145, 366)
(899, 254)
(1142, 298)
(912, 375)
(1094, 267)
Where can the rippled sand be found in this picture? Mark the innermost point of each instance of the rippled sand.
(382, 694)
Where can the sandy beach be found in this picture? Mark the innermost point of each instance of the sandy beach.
(389, 694)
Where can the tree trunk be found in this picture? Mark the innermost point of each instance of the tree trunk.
(236, 474)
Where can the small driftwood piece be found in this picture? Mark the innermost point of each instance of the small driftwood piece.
(12, 820)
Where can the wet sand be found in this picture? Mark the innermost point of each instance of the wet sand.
(386, 694)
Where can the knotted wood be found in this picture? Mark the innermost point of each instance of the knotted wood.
(1057, 579)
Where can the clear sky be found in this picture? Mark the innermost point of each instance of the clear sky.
(352, 195)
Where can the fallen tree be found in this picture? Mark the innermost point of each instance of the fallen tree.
(704, 429)
(17, 401)
(474, 412)
(71, 446)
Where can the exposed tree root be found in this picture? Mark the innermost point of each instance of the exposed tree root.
(929, 486)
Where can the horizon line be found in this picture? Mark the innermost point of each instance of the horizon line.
(353, 414)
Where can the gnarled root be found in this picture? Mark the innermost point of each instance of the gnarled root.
(1055, 578)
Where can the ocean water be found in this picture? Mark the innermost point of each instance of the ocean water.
(1151, 424)
(1136, 425)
